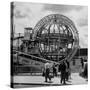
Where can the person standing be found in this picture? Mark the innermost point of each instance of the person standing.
(54, 70)
(86, 70)
(82, 62)
(62, 69)
(67, 70)
(74, 63)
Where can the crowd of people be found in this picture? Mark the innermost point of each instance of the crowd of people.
(51, 70)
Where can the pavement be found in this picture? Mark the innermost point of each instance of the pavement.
(37, 81)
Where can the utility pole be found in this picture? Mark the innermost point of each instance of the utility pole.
(18, 47)
(18, 40)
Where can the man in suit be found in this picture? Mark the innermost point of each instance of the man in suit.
(62, 69)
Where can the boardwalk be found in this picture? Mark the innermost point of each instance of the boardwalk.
(33, 81)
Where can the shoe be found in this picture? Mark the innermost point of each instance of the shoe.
(60, 82)
(64, 83)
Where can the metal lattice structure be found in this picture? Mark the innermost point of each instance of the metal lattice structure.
(57, 37)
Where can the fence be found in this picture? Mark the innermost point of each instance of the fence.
(32, 70)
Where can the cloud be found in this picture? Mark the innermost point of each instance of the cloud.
(76, 13)
(19, 14)
(28, 14)
(61, 8)
(82, 22)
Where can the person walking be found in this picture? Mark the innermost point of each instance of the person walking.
(47, 72)
(54, 70)
(67, 70)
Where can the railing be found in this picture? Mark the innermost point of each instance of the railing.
(34, 57)
(18, 69)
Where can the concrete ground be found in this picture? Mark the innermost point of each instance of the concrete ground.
(37, 81)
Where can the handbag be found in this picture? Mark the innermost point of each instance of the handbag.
(43, 73)
(51, 75)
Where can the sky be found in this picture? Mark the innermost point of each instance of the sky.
(28, 14)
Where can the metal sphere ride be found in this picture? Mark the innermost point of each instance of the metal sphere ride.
(57, 37)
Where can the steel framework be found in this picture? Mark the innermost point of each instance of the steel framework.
(57, 37)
